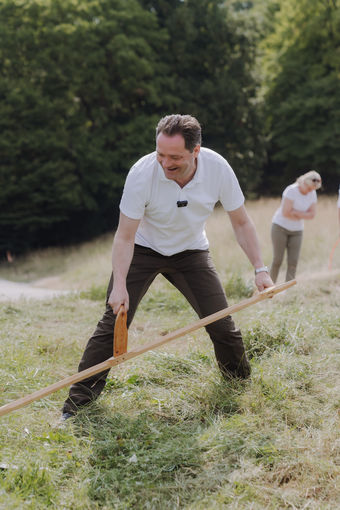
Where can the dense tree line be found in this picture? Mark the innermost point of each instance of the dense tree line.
(78, 96)
(84, 82)
(301, 88)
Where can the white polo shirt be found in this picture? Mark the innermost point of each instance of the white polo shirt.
(152, 198)
(300, 201)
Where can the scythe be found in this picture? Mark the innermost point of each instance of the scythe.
(120, 346)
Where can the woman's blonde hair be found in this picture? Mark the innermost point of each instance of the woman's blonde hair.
(311, 177)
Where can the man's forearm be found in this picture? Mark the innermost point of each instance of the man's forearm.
(246, 236)
(248, 240)
(122, 253)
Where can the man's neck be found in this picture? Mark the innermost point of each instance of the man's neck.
(183, 182)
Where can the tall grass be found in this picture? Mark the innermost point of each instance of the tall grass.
(168, 431)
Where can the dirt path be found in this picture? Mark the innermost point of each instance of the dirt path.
(11, 291)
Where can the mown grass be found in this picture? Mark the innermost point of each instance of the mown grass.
(168, 431)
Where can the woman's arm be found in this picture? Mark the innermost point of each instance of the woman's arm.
(289, 212)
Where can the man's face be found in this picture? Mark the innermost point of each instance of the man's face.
(178, 163)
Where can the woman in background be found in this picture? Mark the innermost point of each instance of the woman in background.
(298, 204)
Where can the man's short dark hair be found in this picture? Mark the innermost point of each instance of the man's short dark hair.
(184, 125)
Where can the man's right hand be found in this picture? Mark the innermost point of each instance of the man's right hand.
(122, 253)
(117, 298)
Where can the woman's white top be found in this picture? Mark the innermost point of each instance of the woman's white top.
(152, 198)
(300, 201)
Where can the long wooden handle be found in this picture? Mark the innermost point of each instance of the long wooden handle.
(111, 362)
(332, 254)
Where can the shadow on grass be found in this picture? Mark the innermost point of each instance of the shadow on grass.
(150, 460)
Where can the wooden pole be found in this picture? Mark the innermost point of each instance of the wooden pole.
(332, 254)
(111, 362)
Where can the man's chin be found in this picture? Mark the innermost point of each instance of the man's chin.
(170, 174)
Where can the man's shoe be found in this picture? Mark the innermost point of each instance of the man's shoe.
(66, 416)
(60, 423)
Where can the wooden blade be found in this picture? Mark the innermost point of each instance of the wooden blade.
(120, 336)
(111, 362)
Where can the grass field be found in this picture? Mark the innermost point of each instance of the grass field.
(168, 431)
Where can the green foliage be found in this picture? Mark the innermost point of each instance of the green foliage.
(31, 482)
(170, 300)
(80, 83)
(260, 340)
(83, 83)
(211, 54)
(302, 62)
(95, 293)
(114, 461)
(236, 287)
(82, 86)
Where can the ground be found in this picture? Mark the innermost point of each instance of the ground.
(14, 291)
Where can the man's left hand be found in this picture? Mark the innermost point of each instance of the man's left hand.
(263, 281)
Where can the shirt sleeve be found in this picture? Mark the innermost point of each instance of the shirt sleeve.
(289, 193)
(135, 194)
(231, 195)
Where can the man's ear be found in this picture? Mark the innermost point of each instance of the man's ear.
(196, 150)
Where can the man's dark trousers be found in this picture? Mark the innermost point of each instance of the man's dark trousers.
(192, 272)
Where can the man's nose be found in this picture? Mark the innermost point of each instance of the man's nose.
(166, 162)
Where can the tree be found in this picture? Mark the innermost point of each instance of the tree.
(211, 53)
(80, 90)
(83, 84)
(301, 90)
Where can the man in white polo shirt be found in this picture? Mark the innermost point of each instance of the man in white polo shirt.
(168, 196)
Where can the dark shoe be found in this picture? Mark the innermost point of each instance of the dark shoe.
(66, 416)
(60, 423)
